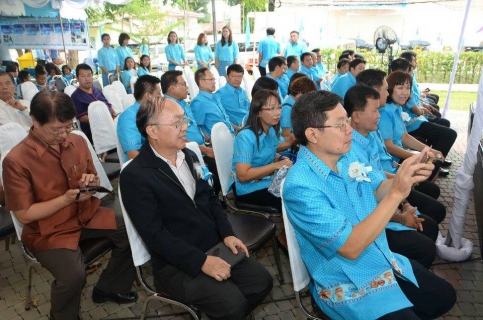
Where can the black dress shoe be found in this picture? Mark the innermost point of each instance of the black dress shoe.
(446, 163)
(443, 172)
(99, 296)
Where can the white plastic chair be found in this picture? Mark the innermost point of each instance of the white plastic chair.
(69, 90)
(29, 90)
(132, 82)
(10, 135)
(102, 127)
(216, 75)
(300, 275)
(222, 82)
(192, 86)
(256, 73)
(248, 84)
(120, 150)
(127, 101)
(140, 256)
(121, 91)
(113, 97)
(97, 84)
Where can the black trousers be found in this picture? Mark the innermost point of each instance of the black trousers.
(438, 137)
(416, 245)
(433, 298)
(263, 71)
(230, 299)
(428, 188)
(427, 205)
(67, 267)
(438, 120)
(261, 198)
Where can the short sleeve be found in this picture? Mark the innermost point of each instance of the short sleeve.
(386, 125)
(198, 111)
(217, 50)
(244, 147)
(181, 52)
(314, 216)
(128, 133)
(198, 53)
(18, 191)
(285, 119)
(169, 54)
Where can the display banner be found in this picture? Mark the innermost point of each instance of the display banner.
(43, 33)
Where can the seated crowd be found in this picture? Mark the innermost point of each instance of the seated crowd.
(364, 207)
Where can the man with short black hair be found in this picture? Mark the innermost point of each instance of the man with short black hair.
(44, 178)
(233, 97)
(267, 49)
(342, 68)
(293, 65)
(348, 80)
(84, 95)
(294, 47)
(277, 67)
(131, 140)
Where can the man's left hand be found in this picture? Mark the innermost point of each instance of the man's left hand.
(234, 244)
(89, 179)
(16, 104)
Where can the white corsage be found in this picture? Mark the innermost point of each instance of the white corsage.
(405, 116)
(358, 172)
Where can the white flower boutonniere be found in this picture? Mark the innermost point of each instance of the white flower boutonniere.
(358, 172)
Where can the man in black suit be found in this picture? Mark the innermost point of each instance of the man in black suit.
(180, 218)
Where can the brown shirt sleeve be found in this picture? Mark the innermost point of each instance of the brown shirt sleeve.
(18, 189)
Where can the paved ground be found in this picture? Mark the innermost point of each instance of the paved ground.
(467, 278)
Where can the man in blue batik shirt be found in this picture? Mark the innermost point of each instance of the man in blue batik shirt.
(307, 68)
(277, 68)
(348, 80)
(233, 97)
(339, 217)
(129, 136)
(206, 107)
(267, 49)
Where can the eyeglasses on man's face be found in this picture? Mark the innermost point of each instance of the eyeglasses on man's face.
(59, 131)
(341, 126)
(177, 125)
(211, 79)
(184, 84)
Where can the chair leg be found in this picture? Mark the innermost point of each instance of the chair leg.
(29, 285)
(7, 244)
(277, 259)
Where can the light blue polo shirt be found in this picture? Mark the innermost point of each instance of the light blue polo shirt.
(323, 207)
(127, 131)
(204, 54)
(269, 48)
(283, 82)
(286, 117)
(125, 78)
(294, 49)
(107, 57)
(279, 90)
(391, 126)
(343, 84)
(226, 52)
(194, 132)
(142, 71)
(122, 54)
(247, 151)
(174, 52)
(366, 151)
(235, 101)
(385, 158)
(336, 77)
(208, 111)
(323, 71)
(289, 73)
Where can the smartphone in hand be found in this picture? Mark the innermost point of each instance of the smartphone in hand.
(100, 189)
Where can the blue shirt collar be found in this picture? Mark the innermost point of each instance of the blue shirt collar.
(206, 94)
(364, 141)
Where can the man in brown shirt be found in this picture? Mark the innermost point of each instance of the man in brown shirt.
(42, 177)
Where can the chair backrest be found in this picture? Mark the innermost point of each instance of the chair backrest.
(300, 275)
(193, 146)
(112, 77)
(192, 86)
(10, 135)
(29, 90)
(133, 81)
(96, 83)
(102, 127)
(222, 82)
(69, 90)
(113, 97)
(216, 75)
(127, 101)
(121, 91)
(256, 73)
(97, 164)
(74, 83)
(140, 254)
(248, 84)
(222, 141)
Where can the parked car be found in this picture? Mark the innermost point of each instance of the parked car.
(474, 48)
(362, 44)
(424, 45)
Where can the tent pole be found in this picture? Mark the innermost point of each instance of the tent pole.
(63, 40)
